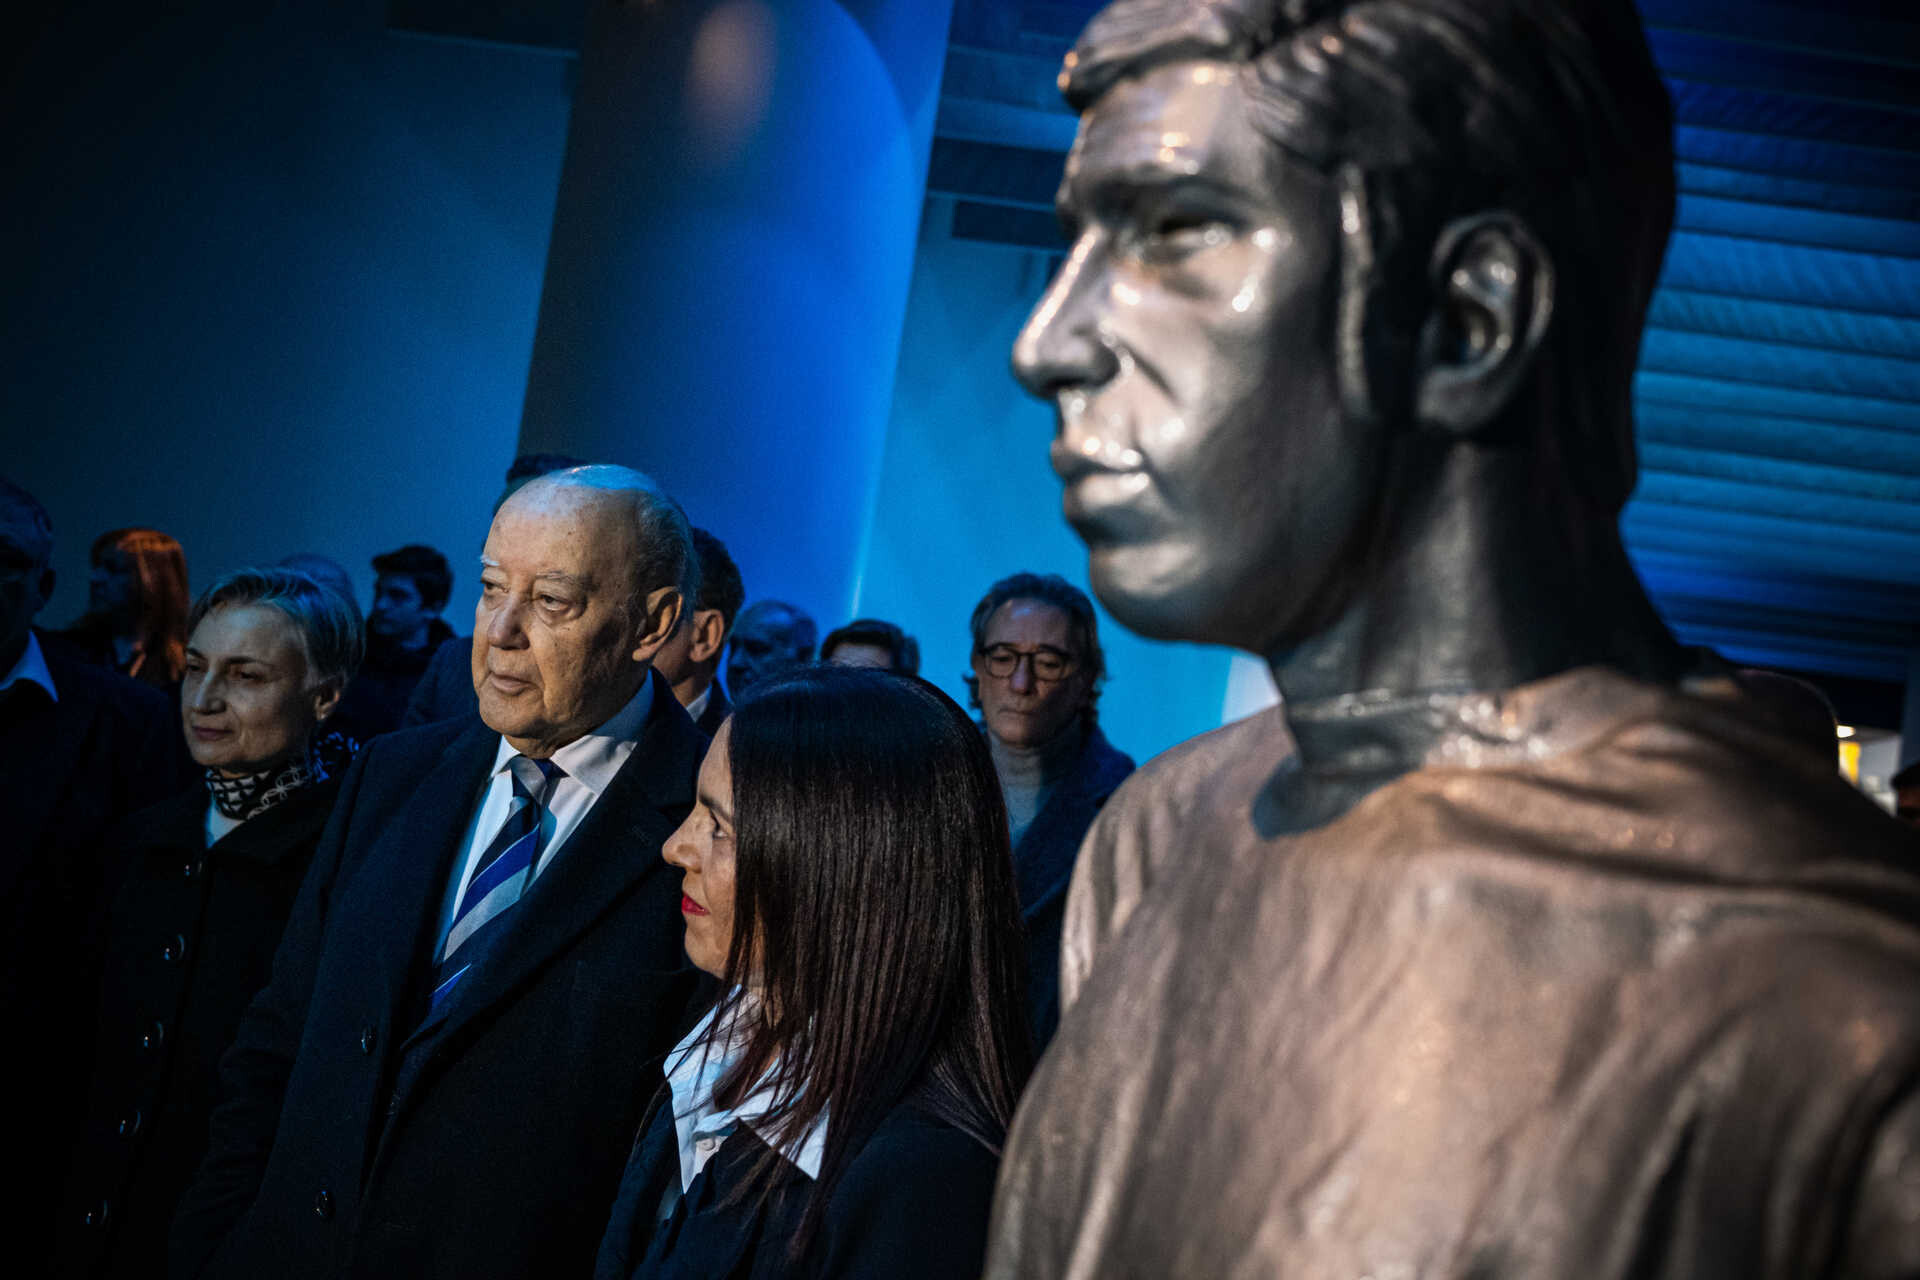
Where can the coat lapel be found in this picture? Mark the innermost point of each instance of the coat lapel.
(406, 891)
(613, 849)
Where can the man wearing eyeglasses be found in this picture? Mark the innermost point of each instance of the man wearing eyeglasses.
(1037, 670)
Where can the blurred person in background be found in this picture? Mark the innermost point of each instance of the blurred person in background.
(80, 748)
(136, 618)
(872, 642)
(328, 572)
(691, 657)
(770, 636)
(1036, 673)
(839, 1112)
(209, 878)
(404, 631)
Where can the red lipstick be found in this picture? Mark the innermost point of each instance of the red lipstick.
(688, 907)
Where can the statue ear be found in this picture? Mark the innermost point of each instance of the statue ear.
(1493, 299)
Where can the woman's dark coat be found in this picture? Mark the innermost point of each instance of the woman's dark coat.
(192, 937)
(913, 1201)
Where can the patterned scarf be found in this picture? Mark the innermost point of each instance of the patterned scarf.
(255, 793)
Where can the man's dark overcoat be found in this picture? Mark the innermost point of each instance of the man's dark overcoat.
(1043, 865)
(357, 1136)
(69, 770)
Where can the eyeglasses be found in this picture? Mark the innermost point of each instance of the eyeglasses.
(1046, 664)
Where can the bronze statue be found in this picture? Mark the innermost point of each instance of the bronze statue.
(1516, 942)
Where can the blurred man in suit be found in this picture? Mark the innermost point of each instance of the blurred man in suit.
(770, 637)
(80, 748)
(691, 657)
(445, 1074)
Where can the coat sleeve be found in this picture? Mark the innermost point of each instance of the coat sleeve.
(914, 1203)
(255, 1070)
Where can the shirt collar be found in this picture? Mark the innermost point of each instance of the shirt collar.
(693, 1069)
(593, 758)
(698, 707)
(32, 666)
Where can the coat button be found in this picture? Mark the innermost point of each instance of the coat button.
(129, 1124)
(97, 1216)
(174, 951)
(153, 1037)
(191, 870)
(368, 1039)
(323, 1207)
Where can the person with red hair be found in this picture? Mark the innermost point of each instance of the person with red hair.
(136, 618)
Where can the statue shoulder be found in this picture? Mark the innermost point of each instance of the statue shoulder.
(1181, 804)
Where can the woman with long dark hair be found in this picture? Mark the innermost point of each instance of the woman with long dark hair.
(840, 1111)
(136, 619)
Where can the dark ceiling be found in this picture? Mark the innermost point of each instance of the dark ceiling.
(1778, 514)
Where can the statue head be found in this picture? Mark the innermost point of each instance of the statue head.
(1317, 244)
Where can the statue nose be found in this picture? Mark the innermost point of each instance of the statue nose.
(1064, 346)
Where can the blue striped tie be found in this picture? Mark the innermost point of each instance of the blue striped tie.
(501, 875)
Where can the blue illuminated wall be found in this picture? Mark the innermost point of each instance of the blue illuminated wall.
(272, 274)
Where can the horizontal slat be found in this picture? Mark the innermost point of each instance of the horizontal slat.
(1773, 112)
(1686, 578)
(1799, 193)
(1005, 124)
(1798, 507)
(1819, 327)
(1793, 273)
(1813, 227)
(1779, 365)
(1792, 440)
(1695, 391)
(1734, 614)
(1838, 484)
(1803, 546)
(1750, 23)
(1746, 649)
(1798, 157)
(1685, 55)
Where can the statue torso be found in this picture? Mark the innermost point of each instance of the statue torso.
(1634, 994)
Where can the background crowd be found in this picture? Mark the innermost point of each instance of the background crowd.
(269, 921)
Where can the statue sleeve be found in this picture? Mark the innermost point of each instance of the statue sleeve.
(1883, 1239)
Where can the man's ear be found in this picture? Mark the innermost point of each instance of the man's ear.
(1493, 289)
(657, 623)
(709, 635)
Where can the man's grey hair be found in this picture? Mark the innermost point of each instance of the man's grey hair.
(331, 634)
(662, 535)
(15, 498)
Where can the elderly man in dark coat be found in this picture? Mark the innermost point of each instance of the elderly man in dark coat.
(484, 965)
(1511, 945)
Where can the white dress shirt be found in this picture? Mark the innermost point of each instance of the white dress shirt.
(693, 1069)
(589, 764)
(698, 707)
